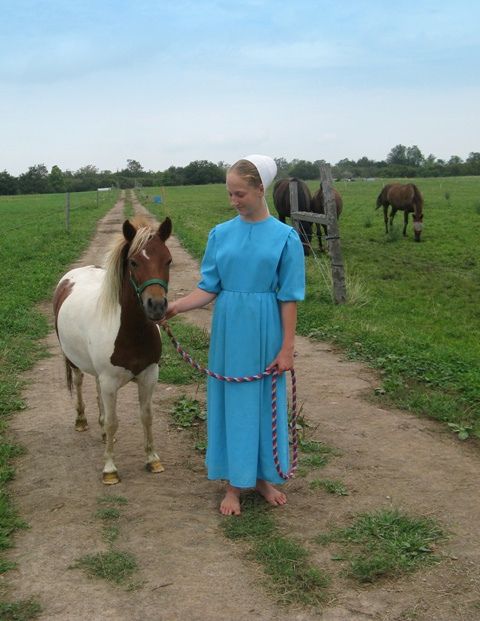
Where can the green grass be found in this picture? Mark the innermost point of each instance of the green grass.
(188, 412)
(290, 576)
(386, 543)
(35, 249)
(19, 611)
(337, 488)
(112, 565)
(173, 368)
(412, 307)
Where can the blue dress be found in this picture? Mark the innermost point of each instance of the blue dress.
(252, 266)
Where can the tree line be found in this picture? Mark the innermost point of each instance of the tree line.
(401, 162)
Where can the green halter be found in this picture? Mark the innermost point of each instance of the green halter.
(139, 289)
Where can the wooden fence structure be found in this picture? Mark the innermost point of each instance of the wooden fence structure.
(329, 219)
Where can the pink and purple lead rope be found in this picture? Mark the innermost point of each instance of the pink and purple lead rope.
(253, 378)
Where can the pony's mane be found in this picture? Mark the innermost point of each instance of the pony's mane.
(115, 257)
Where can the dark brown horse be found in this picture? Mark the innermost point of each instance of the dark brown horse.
(281, 200)
(317, 206)
(406, 198)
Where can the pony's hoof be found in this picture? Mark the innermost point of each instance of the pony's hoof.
(155, 466)
(81, 425)
(110, 478)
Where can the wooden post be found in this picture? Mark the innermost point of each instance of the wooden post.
(333, 236)
(293, 189)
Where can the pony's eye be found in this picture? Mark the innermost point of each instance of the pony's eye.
(133, 263)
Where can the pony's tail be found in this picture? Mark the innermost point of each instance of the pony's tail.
(69, 375)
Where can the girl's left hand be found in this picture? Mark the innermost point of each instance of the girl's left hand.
(283, 362)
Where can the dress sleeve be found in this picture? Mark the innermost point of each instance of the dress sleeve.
(291, 270)
(210, 279)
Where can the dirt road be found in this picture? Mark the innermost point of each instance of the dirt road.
(188, 570)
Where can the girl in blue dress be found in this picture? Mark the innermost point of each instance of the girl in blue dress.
(253, 268)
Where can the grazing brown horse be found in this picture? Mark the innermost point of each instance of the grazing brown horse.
(404, 197)
(317, 206)
(281, 200)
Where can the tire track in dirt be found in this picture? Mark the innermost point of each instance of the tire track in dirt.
(187, 568)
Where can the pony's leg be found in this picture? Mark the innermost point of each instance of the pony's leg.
(81, 420)
(101, 409)
(108, 391)
(385, 217)
(405, 222)
(146, 382)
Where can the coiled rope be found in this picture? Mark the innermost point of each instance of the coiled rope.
(252, 378)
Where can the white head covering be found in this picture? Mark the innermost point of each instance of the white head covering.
(266, 166)
(267, 169)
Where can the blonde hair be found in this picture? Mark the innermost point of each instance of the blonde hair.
(247, 171)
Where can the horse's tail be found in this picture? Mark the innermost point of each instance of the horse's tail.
(69, 374)
(418, 200)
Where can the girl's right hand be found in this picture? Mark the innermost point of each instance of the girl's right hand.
(171, 311)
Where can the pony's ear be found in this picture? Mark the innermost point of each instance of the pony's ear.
(129, 231)
(165, 229)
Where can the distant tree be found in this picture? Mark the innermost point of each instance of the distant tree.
(414, 156)
(473, 163)
(172, 176)
(84, 179)
(8, 183)
(34, 181)
(398, 155)
(282, 167)
(57, 180)
(134, 168)
(303, 170)
(201, 172)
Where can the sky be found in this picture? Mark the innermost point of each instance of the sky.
(168, 82)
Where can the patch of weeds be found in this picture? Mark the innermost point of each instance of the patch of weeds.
(310, 462)
(110, 533)
(112, 500)
(463, 431)
(109, 513)
(331, 486)
(20, 611)
(187, 412)
(314, 446)
(284, 561)
(368, 222)
(386, 543)
(113, 565)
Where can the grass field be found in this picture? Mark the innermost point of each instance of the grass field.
(413, 309)
(35, 249)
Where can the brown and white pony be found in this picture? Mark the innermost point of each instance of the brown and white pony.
(105, 320)
(406, 198)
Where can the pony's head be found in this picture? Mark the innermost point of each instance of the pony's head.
(139, 262)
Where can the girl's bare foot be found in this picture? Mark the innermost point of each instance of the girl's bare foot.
(271, 494)
(230, 504)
